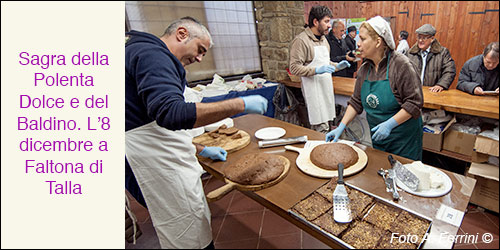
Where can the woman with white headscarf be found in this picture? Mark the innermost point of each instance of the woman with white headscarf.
(389, 90)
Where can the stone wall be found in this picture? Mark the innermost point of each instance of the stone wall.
(278, 22)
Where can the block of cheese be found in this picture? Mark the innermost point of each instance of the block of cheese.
(429, 178)
(422, 173)
(437, 180)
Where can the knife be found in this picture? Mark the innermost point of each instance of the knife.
(404, 175)
(282, 141)
(391, 179)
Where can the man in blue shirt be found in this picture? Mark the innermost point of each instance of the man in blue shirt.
(160, 157)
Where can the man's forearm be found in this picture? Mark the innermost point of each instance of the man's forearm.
(208, 113)
(199, 147)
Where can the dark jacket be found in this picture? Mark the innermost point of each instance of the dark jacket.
(338, 49)
(351, 46)
(440, 68)
(154, 85)
(474, 74)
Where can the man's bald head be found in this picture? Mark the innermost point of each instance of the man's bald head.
(193, 26)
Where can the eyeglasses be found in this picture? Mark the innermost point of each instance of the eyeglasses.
(423, 38)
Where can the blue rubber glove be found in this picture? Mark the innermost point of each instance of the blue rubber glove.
(214, 153)
(343, 64)
(255, 104)
(383, 129)
(335, 134)
(325, 69)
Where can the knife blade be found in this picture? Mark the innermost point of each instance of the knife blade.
(404, 175)
(391, 178)
(282, 141)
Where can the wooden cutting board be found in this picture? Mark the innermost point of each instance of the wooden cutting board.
(230, 185)
(224, 141)
(305, 164)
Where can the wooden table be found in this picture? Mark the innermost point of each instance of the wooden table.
(297, 185)
(452, 100)
(341, 85)
(457, 101)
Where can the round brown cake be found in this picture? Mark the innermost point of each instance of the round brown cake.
(329, 155)
(255, 169)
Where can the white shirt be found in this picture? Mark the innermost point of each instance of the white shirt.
(403, 46)
(423, 54)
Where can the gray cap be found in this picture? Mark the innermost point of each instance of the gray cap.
(426, 29)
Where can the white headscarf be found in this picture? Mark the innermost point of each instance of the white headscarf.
(383, 29)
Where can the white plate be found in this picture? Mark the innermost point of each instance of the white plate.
(431, 192)
(270, 133)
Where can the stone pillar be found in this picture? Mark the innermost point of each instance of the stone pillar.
(278, 22)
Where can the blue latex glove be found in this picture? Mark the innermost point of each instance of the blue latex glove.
(214, 153)
(325, 69)
(383, 129)
(255, 104)
(343, 64)
(335, 134)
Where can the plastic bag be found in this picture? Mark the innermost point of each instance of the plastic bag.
(285, 105)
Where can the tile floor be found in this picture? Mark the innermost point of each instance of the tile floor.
(238, 222)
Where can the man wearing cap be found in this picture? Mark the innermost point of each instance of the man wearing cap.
(388, 89)
(432, 61)
(338, 46)
(351, 46)
(309, 59)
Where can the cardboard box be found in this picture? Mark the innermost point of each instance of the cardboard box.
(459, 142)
(432, 141)
(435, 141)
(486, 145)
(479, 157)
(485, 192)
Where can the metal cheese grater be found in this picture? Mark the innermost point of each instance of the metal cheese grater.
(341, 208)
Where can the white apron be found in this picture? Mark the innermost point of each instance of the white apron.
(166, 168)
(318, 90)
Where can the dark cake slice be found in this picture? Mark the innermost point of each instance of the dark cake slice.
(362, 235)
(385, 242)
(327, 223)
(312, 207)
(327, 189)
(382, 215)
(407, 223)
(360, 203)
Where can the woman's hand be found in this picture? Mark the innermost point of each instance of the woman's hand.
(383, 130)
(335, 134)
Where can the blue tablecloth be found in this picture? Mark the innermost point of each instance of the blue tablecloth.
(266, 92)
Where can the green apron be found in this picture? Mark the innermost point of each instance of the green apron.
(380, 105)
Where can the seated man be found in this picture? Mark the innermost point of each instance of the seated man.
(480, 73)
(432, 61)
